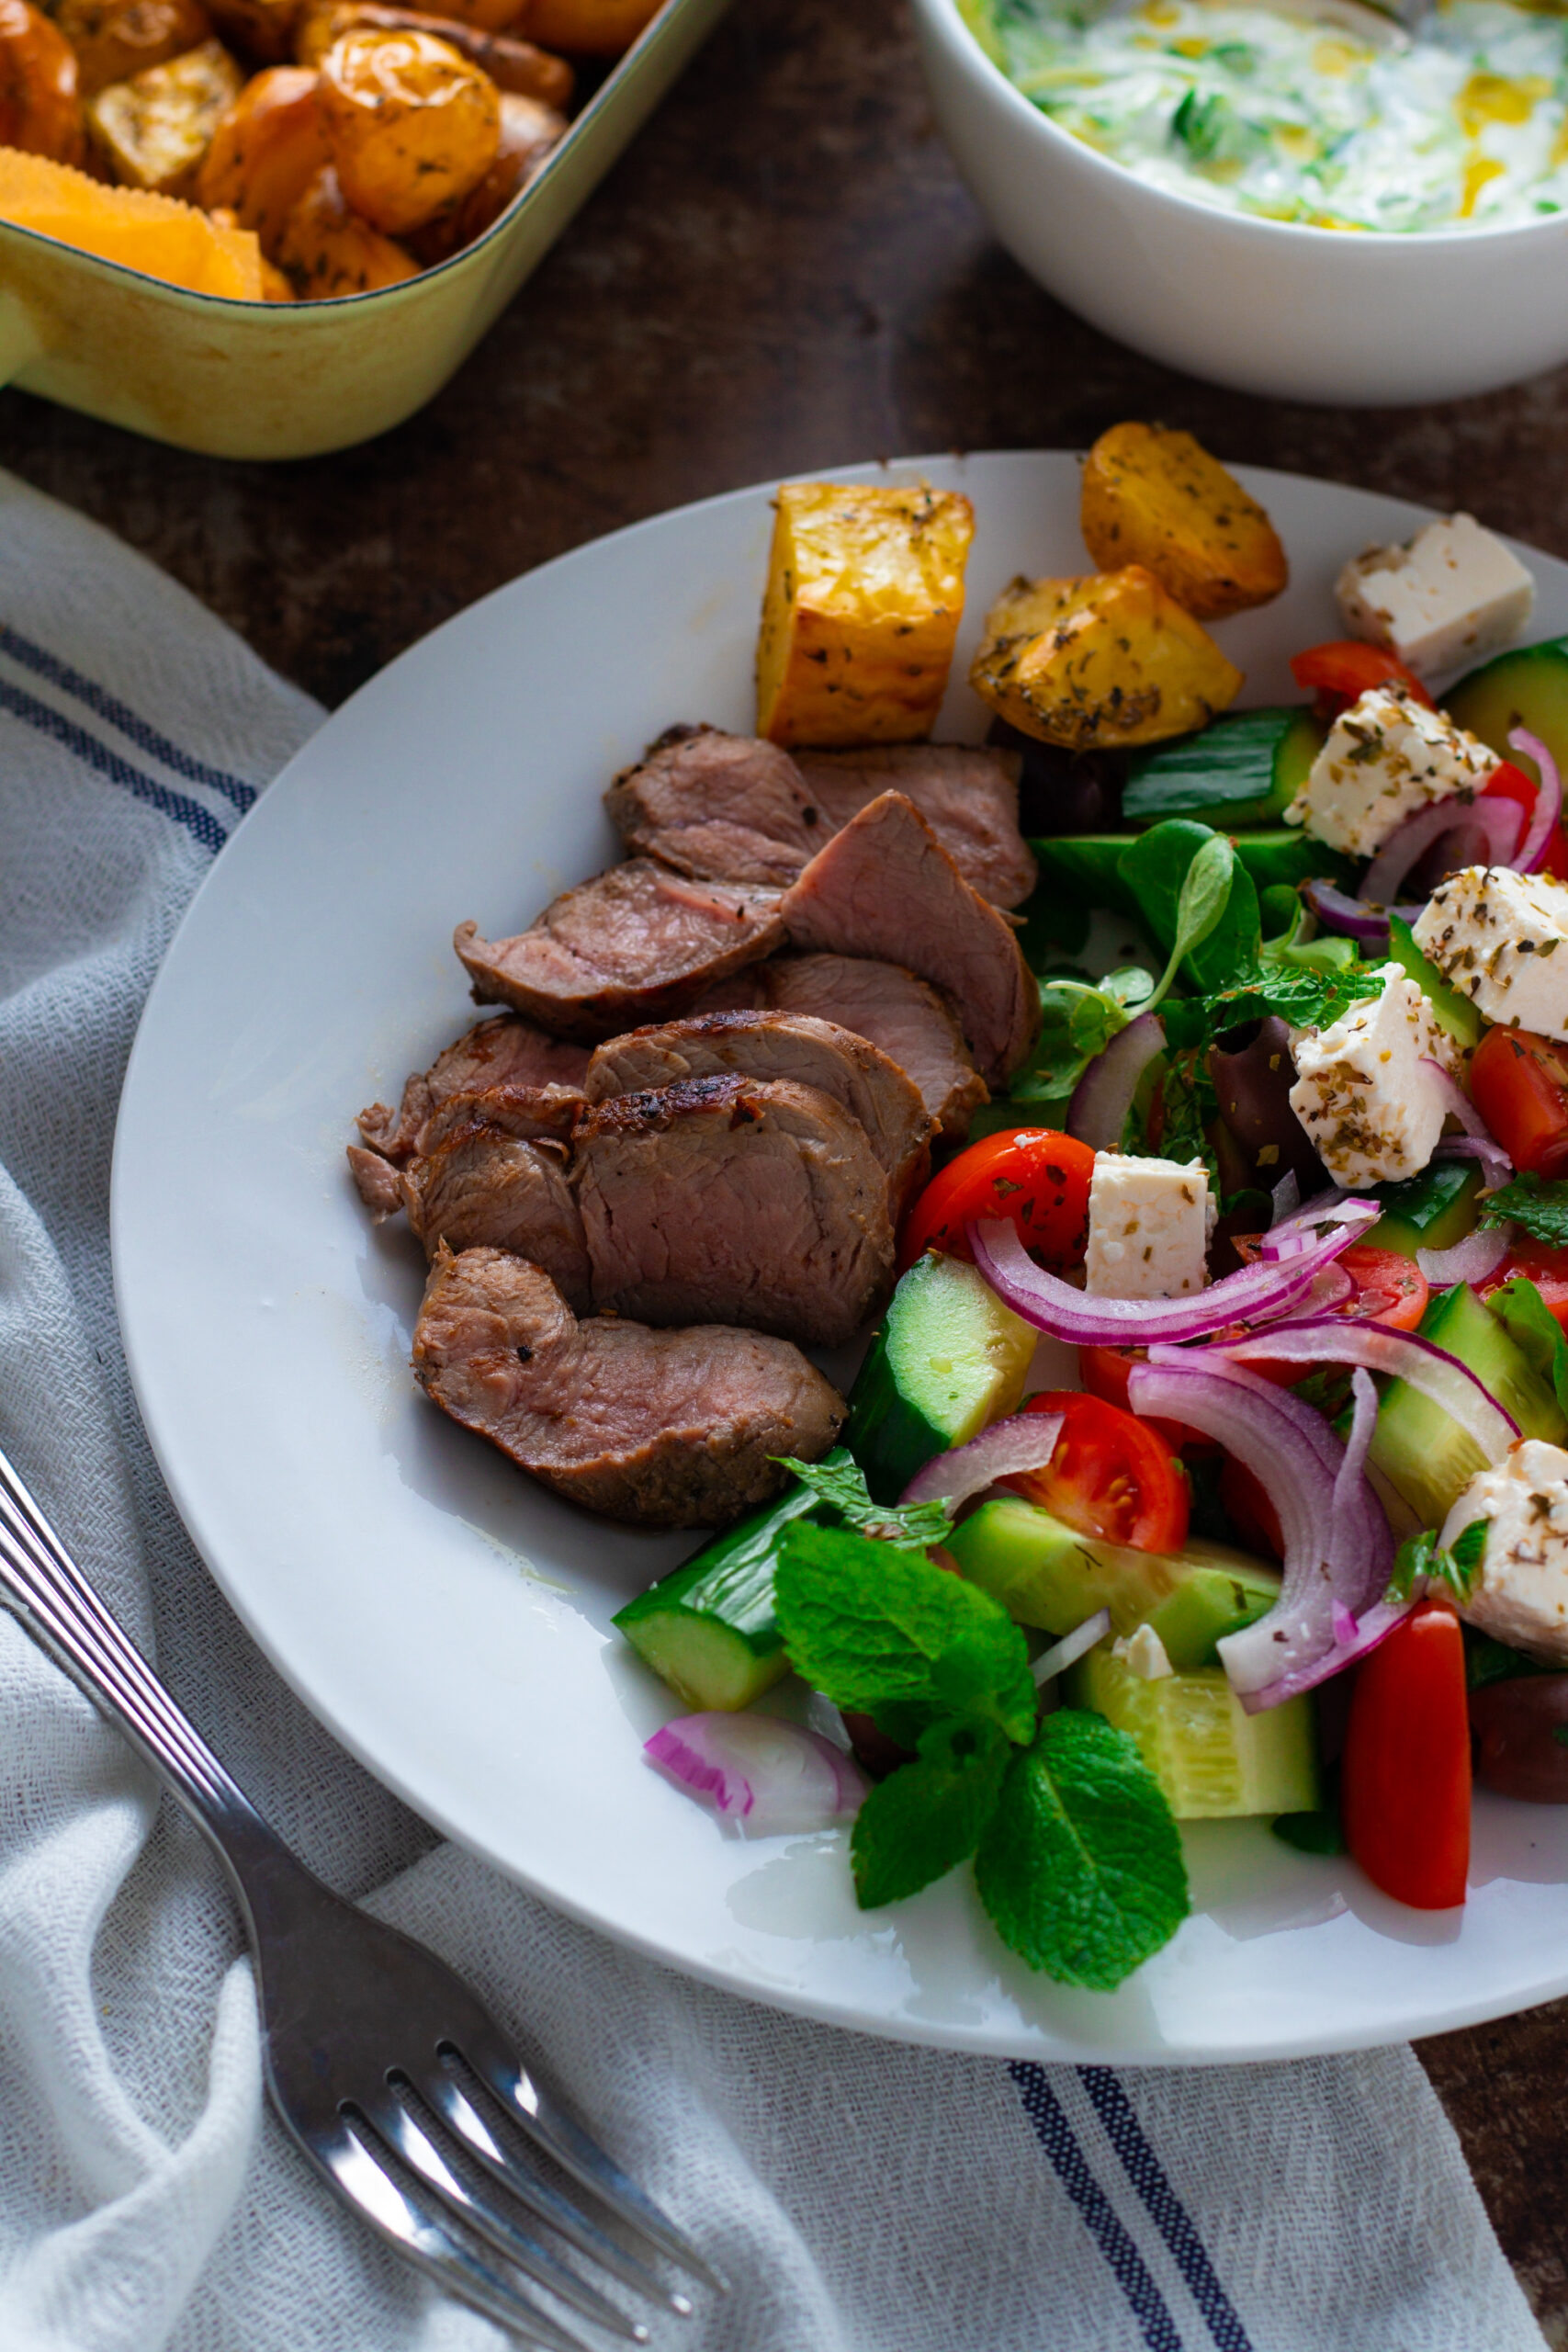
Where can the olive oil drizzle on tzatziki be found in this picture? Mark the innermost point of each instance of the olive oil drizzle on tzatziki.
(1315, 114)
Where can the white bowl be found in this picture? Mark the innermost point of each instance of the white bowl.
(1364, 318)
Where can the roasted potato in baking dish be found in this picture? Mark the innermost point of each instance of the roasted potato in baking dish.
(40, 108)
(1096, 663)
(1155, 497)
(116, 39)
(411, 125)
(511, 64)
(328, 248)
(154, 130)
(266, 149)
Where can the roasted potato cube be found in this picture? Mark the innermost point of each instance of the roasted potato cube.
(328, 250)
(587, 27)
(266, 149)
(1155, 497)
(529, 133)
(115, 38)
(411, 125)
(1092, 663)
(154, 130)
(40, 108)
(263, 30)
(864, 595)
(511, 64)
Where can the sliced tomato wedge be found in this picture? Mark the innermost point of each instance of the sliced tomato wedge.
(1405, 1783)
(1034, 1177)
(1104, 1372)
(1519, 1082)
(1540, 1264)
(1341, 672)
(1110, 1476)
(1508, 783)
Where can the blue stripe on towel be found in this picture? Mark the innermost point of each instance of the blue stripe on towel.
(1168, 2215)
(190, 813)
(45, 664)
(1057, 2138)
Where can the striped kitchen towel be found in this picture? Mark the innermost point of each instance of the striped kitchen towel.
(864, 2197)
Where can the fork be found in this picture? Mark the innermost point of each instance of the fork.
(385, 2068)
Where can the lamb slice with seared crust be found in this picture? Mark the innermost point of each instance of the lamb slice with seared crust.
(502, 1051)
(661, 1429)
(730, 808)
(905, 1017)
(885, 886)
(967, 794)
(850, 1069)
(637, 944)
(497, 1174)
(735, 1200)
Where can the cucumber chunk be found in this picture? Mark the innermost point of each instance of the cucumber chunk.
(1212, 1760)
(950, 1358)
(1243, 771)
(1431, 1211)
(1422, 1450)
(1454, 1013)
(1047, 1575)
(1526, 689)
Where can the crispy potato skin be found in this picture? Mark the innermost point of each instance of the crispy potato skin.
(528, 132)
(863, 598)
(1096, 663)
(115, 39)
(154, 130)
(586, 28)
(411, 125)
(266, 149)
(1155, 497)
(40, 106)
(511, 64)
(327, 249)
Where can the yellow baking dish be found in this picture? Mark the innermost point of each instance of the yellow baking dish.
(290, 379)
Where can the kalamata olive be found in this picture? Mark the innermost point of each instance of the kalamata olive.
(1253, 1074)
(1520, 1729)
(1061, 791)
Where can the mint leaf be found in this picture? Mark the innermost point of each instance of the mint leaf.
(1534, 1330)
(926, 1817)
(1306, 998)
(1539, 1206)
(1421, 1559)
(842, 1485)
(1081, 1867)
(870, 1625)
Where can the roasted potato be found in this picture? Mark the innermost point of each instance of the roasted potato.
(483, 15)
(864, 595)
(40, 106)
(154, 130)
(511, 64)
(1155, 497)
(115, 39)
(1092, 663)
(589, 27)
(326, 249)
(411, 125)
(263, 30)
(528, 132)
(266, 149)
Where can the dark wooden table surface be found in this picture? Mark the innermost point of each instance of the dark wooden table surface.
(785, 273)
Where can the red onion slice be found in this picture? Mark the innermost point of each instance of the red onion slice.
(1263, 1289)
(766, 1774)
(1071, 1647)
(1333, 1339)
(1478, 1142)
(1026, 1442)
(1354, 1637)
(1291, 1235)
(1470, 1260)
(1104, 1096)
(1545, 816)
(1336, 910)
(1501, 822)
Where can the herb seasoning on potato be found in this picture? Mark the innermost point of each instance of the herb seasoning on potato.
(1155, 497)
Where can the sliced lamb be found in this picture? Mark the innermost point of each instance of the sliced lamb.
(884, 887)
(851, 1069)
(662, 1428)
(637, 944)
(966, 793)
(378, 1183)
(502, 1051)
(729, 807)
(735, 1200)
(496, 1174)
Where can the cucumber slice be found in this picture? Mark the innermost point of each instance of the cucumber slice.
(1431, 1211)
(1455, 1013)
(1212, 1760)
(1284, 854)
(1526, 689)
(1421, 1450)
(1047, 1575)
(1243, 771)
(708, 1627)
(949, 1358)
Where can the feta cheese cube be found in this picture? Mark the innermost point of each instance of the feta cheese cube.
(1144, 1654)
(1149, 1222)
(1386, 757)
(1501, 938)
(1520, 1593)
(1370, 1106)
(1453, 596)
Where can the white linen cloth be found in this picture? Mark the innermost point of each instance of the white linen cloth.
(864, 2197)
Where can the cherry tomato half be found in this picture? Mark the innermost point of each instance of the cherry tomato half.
(1110, 1476)
(1104, 1372)
(1343, 671)
(1540, 1264)
(1404, 1785)
(1508, 783)
(1519, 1082)
(1033, 1177)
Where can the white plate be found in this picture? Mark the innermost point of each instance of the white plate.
(446, 1617)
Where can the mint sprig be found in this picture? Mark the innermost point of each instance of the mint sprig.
(841, 1487)
(1537, 1204)
(1421, 1559)
(928, 1816)
(1307, 999)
